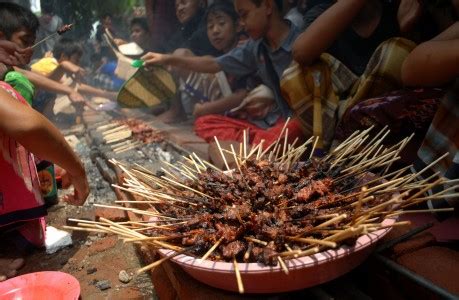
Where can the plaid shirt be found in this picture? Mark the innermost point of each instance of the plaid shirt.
(443, 137)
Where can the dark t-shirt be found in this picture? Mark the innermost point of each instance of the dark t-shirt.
(352, 49)
(193, 36)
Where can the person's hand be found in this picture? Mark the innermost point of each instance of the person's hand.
(111, 95)
(80, 186)
(119, 42)
(76, 97)
(258, 103)
(152, 58)
(12, 55)
(199, 110)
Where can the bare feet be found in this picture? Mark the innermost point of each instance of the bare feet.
(171, 116)
(9, 267)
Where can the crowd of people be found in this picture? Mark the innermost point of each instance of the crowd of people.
(330, 67)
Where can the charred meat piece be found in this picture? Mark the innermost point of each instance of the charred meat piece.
(233, 249)
(316, 188)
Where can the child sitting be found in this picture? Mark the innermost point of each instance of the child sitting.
(222, 30)
(65, 64)
(266, 54)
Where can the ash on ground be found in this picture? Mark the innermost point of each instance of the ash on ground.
(100, 190)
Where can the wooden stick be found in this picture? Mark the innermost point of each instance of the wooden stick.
(103, 127)
(306, 252)
(405, 142)
(211, 250)
(313, 241)
(186, 187)
(314, 147)
(240, 285)
(200, 161)
(256, 241)
(83, 229)
(345, 234)
(116, 129)
(324, 224)
(425, 189)
(222, 155)
(245, 144)
(283, 265)
(426, 168)
(247, 253)
(159, 262)
(417, 211)
(358, 207)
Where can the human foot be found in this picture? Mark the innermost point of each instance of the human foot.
(171, 116)
(9, 267)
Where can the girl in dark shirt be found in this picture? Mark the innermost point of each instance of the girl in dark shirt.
(192, 33)
(354, 43)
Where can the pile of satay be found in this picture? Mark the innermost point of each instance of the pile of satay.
(272, 203)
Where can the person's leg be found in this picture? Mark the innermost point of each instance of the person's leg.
(175, 113)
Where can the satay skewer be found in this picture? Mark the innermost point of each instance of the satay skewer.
(211, 250)
(240, 285)
(60, 31)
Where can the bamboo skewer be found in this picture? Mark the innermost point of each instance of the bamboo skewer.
(256, 241)
(240, 285)
(283, 265)
(211, 250)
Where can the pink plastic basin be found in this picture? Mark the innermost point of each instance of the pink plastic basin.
(41, 285)
(304, 272)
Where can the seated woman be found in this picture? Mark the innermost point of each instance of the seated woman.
(347, 52)
(435, 63)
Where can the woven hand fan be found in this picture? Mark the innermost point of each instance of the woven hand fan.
(147, 88)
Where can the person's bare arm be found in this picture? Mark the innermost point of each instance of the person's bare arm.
(202, 64)
(321, 34)
(92, 91)
(435, 62)
(55, 75)
(66, 67)
(49, 85)
(221, 105)
(39, 136)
